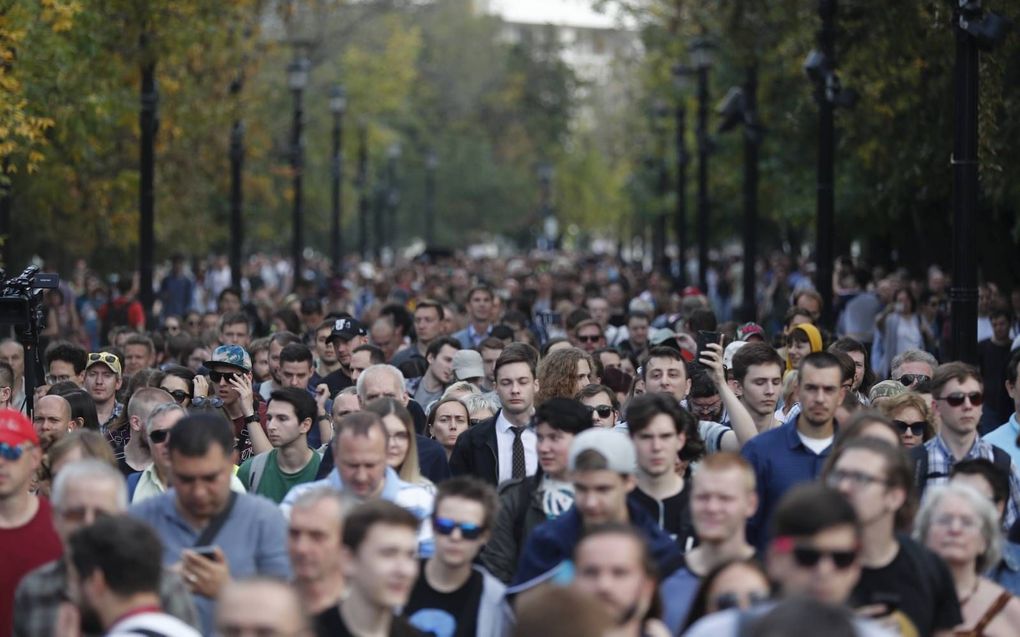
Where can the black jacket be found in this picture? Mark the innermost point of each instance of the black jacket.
(476, 453)
(520, 511)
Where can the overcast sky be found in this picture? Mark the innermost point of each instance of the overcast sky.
(572, 12)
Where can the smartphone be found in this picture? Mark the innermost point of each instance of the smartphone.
(208, 552)
(704, 338)
(889, 599)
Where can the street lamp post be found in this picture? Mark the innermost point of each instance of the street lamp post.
(701, 56)
(826, 164)
(550, 229)
(147, 169)
(236, 192)
(659, 233)
(392, 199)
(297, 79)
(681, 77)
(431, 163)
(337, 106)
(362, 183)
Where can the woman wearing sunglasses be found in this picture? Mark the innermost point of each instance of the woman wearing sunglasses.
(911, 416)
(962, 527)
(179, 382)
(740, 584)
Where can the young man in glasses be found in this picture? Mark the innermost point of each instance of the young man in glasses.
(601, 401)
(901, 581)
(453, 596)
(26, 523)
(814, 554)
(588, 336)
(957, 392)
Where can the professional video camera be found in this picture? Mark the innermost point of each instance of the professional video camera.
(21, 307)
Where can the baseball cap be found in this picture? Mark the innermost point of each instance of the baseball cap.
(731, 351)
(886, 389)
(104, 358)
(467, 363)
(614, 446)
(346, 328)
(233, 355)
(16, 428)
(748, 330)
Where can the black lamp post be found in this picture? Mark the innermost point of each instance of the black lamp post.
(236, 192)
(362, 183)
(147, 169)
(681, 81)
(297, 80)
(550, 227)
(701, 58)
(393, 154)
(431, 163)
(337, 106)
(659, 232)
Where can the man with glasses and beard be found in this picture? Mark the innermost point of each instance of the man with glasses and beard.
(957, 392)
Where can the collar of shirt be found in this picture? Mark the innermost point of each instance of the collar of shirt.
(118, 409)
(392, 483)
(473, 333)
(974, 451)
(150, 474)
(503, 425)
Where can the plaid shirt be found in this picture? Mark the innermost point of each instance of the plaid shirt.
(940, 465)
(40, 593)
(117, 438)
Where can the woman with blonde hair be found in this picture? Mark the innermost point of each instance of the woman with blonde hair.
(401, 446)
(911, 416)
(563, 373)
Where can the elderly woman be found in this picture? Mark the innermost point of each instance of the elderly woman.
(911, 416)
(480, 406)
(962, 527)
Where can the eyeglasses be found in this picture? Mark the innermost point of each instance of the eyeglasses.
(102, 357)
(12, 453)
(604, 411)
(159, 436)
(218, 377)
(956, 398)
(589, 338)
(948, 521)
(77, 515)
(857, 478)
(704, 408)
(179, 395)
(725, 601)
(210, 403)
(808, 557)
(468, 531)
(915, 428)
(913, 379)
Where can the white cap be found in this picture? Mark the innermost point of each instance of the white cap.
(614, 446)
(730, 352)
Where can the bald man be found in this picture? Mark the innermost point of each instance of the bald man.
(52, 420)
(260, 606)
(136, 452)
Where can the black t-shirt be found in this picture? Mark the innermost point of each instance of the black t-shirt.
(439, 614)
(993, 360)
(329, 623)
(337, 381)
(917, 584)
(672, 514)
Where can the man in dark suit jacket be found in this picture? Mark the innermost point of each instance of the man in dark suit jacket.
(503, 447)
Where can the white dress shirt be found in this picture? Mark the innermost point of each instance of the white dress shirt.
(505, 447)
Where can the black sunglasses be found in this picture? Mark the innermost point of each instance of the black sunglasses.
(808, 557)
(159, 436)
(913, 379)
(956, 398)
(594, 338)
(726, 601)
(446, 526)
(221, 376)
(916, 428)
(179, 395)
(604, 411)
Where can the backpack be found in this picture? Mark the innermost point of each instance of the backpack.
(256, 470)
(919, 455)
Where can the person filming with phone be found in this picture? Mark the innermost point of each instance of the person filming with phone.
(210, 534)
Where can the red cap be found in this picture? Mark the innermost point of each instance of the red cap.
(691, 290)
(16, 428)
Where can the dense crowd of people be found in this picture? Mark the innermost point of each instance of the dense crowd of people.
(547, 444)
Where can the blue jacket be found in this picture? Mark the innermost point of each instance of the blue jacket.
(551, 546)
(780, 461)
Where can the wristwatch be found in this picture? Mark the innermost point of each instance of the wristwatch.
(252, 418)
(323, 417)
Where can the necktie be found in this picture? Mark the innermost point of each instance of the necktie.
(517, 463)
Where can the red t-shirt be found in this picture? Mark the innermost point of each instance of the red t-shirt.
(21, 550)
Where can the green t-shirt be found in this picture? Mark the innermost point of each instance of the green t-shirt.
(274, 483)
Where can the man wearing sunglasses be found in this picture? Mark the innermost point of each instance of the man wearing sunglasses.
(588, 336)
(230, 375)
(814, 554)
(957, 391)
(453, 596)
(901, 580)
(912, 367)
(27, 536)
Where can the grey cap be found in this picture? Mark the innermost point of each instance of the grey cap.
(616, 447)
(467, 363)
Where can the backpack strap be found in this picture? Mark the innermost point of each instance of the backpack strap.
(258, 467)
(1002, 460)
(919, 455)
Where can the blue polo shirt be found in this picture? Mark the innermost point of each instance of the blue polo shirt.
(780, 461)
(254, 540)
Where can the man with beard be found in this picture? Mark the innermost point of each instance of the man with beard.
(613, 565)
(795, 452)
(347, 334)
(52, 420)
(315, 545)
(117, 575)
(83, 492)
